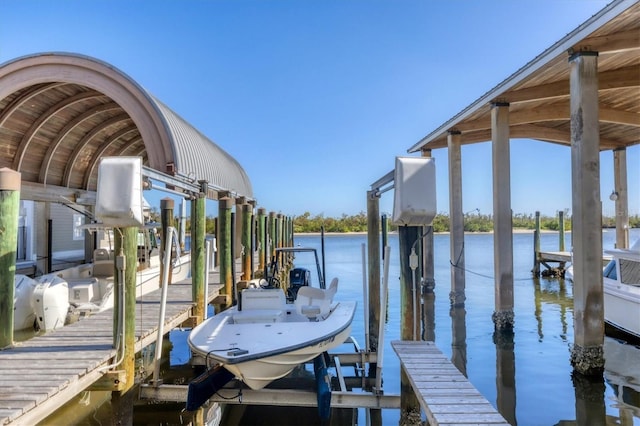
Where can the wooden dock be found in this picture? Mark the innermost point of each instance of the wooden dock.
(40, 375)
(445, 394)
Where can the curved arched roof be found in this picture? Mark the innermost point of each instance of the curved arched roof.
(60, 113)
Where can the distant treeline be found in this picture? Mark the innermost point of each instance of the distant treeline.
(472, 223)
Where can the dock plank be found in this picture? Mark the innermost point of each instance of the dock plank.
(446, 395)
(39, 375)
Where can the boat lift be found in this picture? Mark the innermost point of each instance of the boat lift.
(339, 390)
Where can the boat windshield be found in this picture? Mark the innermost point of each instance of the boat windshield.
(610, 270)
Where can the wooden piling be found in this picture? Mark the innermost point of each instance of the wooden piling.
(10, 182)
(224, 219)
(166, 219)
(587, 354)
(373, 259)
(262, 238)
(560, 231)
(407, 238)
(198, 260)
(247, 252)
(273, 240)
(126, 249)
(536, 247)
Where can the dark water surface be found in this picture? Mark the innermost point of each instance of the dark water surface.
(528, 377)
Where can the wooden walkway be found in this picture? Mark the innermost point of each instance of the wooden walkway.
(40, 375)
(446, 396)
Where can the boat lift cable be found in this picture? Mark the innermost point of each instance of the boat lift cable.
(457, 262)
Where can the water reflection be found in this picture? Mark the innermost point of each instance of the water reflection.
(552, 292)
(459, 338)
(505, 374)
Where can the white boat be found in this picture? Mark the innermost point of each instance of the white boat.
(24, 315)
(621, 282)
(263, 337)
(621, 279)
(59, 298)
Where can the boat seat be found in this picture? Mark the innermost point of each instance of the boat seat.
(259, 316)
(260, 298)
(101, 254)
(314, 302)
(103, 268)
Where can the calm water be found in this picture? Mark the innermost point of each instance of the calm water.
(529, 379)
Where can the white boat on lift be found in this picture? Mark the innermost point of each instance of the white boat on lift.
(621, 282)
(264, 338)
(621, 279)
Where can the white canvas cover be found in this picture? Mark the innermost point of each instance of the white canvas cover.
(414, 202)
(119, 193)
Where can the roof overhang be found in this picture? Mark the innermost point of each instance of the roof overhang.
(538, 93)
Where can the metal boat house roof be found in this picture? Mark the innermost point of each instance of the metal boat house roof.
(61, 112)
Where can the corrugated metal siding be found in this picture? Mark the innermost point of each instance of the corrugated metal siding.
(195, 153)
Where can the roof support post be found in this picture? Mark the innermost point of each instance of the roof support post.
(503, 317)
(621, 197)
(587, 356)
(456, 220)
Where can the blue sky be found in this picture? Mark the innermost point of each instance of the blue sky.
(315, 99)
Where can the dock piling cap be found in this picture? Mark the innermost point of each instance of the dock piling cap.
(10, 179)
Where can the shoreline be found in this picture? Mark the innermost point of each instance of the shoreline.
(515, 231)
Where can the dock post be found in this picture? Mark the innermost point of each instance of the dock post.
(457, 295)
(247, 251)
(621, 197)
(10, 182)
(166, 218)
(503, 316)
(198, 232)
(561, 230)
(273, 239)
(407, 238)
(587, 353)
(262, 238)
(373, 258)
(536, 247)
(126, 250)
(226, 258)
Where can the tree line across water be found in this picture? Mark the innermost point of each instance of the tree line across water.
(474, 222)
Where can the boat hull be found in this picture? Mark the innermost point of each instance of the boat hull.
(272, 343)
(622, 306)
(260, 372)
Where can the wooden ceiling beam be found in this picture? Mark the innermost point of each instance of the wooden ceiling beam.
(616, 79)
(611, 43)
